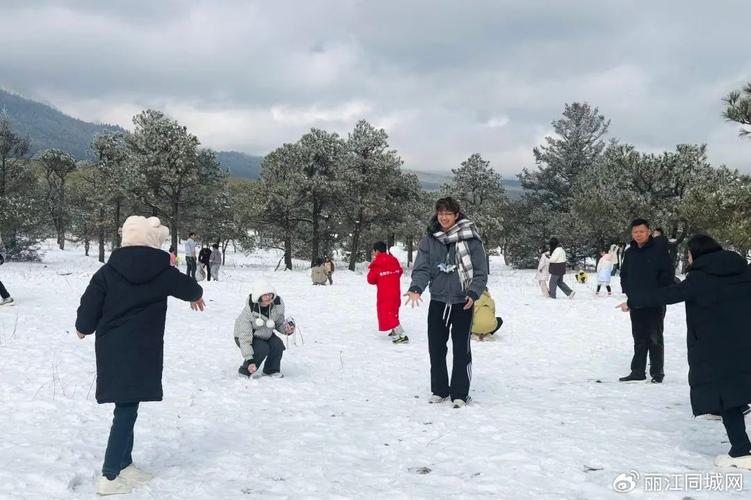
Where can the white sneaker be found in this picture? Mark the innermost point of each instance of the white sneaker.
(459, 403)
(118, 486)
(572, 295)
(743, 462)
(135, 475)
(436, 399)
(274, 375)
(7, 302)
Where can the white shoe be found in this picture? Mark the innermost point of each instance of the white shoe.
(436, 399)
(572, 295)
(743, 462)
(135, 475)
(274, 375)
(118, 486)
(7, 302)
(460, 403)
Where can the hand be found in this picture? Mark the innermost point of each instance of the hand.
(469, 304)
(623, 307)
(252, 368)
(198, 305)
(413, 298)
(80, 335)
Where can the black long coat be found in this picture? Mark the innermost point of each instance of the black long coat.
(717, 292)
(126, 304)
(646, 268)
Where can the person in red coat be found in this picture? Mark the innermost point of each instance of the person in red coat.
(385, 272)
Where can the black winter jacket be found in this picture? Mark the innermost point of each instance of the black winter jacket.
(646, 268)
(126, 304)
(717, 292)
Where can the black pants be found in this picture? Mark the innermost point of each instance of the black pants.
(208, 272)
(191, 263)
(120, 443)
(3, 292)
(647, 326)
(735, 426)
(442, 320)
(270, 350)
(606, 286)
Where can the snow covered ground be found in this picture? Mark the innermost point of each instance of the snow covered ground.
(350, 419)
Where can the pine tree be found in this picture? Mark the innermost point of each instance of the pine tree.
(57, 165)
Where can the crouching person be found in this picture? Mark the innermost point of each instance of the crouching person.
(257, 329)
(126, 305)
(484, 320)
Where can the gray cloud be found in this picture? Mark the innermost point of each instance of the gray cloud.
(446, 79)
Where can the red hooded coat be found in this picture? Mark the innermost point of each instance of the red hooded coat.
(385, 272)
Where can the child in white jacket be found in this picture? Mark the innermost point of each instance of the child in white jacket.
(543, 275)
(604, 271)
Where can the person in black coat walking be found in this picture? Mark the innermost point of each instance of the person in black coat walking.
(646, 267)
(717, 293)
(126, 305)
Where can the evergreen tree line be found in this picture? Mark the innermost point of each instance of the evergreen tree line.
(326, 193)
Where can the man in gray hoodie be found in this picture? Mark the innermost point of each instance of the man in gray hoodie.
(451, 260)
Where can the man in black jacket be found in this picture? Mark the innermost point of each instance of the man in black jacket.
(646, 267)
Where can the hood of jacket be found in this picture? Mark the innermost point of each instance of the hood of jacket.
(720, 263)
(139, 264)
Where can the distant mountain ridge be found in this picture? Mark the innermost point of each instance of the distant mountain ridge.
(47, 127)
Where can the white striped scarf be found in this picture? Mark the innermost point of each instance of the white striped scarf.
(462, 231)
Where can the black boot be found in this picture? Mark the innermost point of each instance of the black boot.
(633, 378)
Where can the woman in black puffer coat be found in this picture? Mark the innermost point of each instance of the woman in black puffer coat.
(717, 293)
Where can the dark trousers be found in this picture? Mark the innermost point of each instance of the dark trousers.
(208, 271)
(443, 320)
(120, 443)
(646, 327)
(606, 286)
(191, 263)
(735, 426)
(3, 292)
(556, 281)
(270, 350)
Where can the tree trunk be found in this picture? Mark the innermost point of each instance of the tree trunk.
(100, 238)
(61, 216)
(224, 251)
(410, 249)
(355, 241)
(391, 240)
(288, 250)
(175, 223)
(116, 238)
(86, 247)
(315, 244)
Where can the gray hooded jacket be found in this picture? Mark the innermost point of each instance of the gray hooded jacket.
(447, 287)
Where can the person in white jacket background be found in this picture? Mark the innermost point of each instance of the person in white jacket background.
(557, 268)
(543, 275)
(604, 271)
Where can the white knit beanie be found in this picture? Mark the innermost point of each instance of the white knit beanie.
(140, 231)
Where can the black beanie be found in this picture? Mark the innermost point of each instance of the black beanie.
(380, 246)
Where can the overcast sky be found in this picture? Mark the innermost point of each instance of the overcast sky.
(444, 78)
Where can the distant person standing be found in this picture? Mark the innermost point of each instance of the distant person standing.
(543, 274)
(6, 298)
(204, 258)
(190, 255)
(215, 262)
(604, 271)
(328, 266)
(557, 268)
(385, 273)
(646, 267)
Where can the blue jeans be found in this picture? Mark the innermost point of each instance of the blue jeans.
(120, 443)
